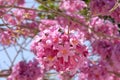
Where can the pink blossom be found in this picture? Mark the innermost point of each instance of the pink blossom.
(26, 71)
(104, 26)
(102, 47)
(7, 38)
(18, 2)
(101, 7)
(65, 51)
(77, 5)
(10, 19)
(115, 14)
(115, 57)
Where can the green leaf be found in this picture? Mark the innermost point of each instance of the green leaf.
(42, 7)
(87, 1)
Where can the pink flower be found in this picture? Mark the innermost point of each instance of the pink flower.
(10, 19)
(101, 7)
(104, 26)
(115, 57)
(102, 47)
(18, 2)
(115, 14)
(26, 71)
(65, 51)
(7, 37)
(72, 5)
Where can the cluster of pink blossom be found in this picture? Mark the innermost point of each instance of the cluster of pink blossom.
(109, 52)
(16, 2)
(102, 47)
(115, 14)
(5, 3)
(19, 16)
(77, 5)
(17, 19)
(26, 71)
(104, 26)
(105, 7)
(97, 72)
(59, 48)
(60, 43)
(7, 37)
(101, 7)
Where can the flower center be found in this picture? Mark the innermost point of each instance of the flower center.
(64, 51)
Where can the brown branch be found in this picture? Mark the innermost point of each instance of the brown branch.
(9, 6)
(5, 73)
(3, 24)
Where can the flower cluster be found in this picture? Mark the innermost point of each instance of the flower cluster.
(104, 26)
(60, 42)
(7, 37)
(115, 14)
(26, 71)
(109, 53)
(59, 48)
(96, 72)
(77, 5)
(101, 7)
(105, 8)
(16, 20)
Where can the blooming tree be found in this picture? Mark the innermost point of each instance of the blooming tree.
(60, 30)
